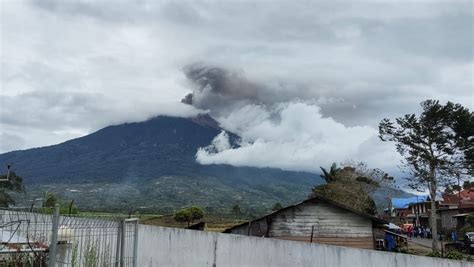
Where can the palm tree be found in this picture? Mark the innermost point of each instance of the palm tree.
(331, 175)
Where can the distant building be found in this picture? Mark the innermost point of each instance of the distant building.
(317, 220)
(454, 208)
(412, 210)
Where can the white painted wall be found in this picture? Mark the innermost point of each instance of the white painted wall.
(161, 246)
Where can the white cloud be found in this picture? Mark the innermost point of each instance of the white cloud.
(294, 136)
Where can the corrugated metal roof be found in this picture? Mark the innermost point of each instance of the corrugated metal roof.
(403, 203)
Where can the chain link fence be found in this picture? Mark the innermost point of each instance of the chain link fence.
(35, 239)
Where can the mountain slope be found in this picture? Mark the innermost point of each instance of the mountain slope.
(152, 164)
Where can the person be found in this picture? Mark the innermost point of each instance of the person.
(453, 236)
(428, 232)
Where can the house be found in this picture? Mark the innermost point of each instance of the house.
(420, 212)
(409, 210)
(317, 220)
(453, 207)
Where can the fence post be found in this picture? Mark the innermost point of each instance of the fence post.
(122, 244)
(54, 238)
(135, 245)
(117, 247)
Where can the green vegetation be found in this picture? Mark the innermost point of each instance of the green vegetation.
(189, 215)
(437, 147)
(352, 185)
(451, 254)
(166, 194)
(75, 255)
(91, 258)
(236, 211)
(50, 200)
(277, 206)
(7, 187)
(435, 254)
(468, 185)
(469, 227)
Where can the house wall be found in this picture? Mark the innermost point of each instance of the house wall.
(332, 225)
(447, 221)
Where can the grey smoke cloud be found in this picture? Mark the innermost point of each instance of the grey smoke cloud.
(219, 89)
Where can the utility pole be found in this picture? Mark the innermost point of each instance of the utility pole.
(417, 212)
(459, 190)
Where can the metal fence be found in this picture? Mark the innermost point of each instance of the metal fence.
(34, 239)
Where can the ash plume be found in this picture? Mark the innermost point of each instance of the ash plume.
(220, 90)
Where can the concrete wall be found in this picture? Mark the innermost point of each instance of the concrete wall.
(161, 246)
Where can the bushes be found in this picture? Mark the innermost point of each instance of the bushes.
(451, 254)
(454, 255)
(435, 254)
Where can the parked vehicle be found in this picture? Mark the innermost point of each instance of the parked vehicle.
(469, 242)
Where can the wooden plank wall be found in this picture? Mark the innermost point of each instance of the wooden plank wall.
(328, 220)
(332, 225)
(354, 242)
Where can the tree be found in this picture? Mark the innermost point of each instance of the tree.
(237, 211)
(352, 184)
(437, 147)
(468, 185)
(469, 224)
(49, 200)
(331, 175)
(189, 214)
(196, 213)
(277, 206)
(183, 215)
(13, 184)
(452, 188)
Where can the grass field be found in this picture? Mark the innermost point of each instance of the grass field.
(214, 223)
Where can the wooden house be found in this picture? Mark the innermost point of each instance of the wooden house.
(317, 220)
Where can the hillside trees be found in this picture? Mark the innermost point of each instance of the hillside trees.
(277, 206)
(14, 183)
(236, 211)
(437, 146)
(352, 184)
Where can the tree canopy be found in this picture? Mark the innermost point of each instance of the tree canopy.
(13, 184)
(189, 214)
(49, 200)
(437, 146)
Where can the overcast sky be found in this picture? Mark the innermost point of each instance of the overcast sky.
(304, 83)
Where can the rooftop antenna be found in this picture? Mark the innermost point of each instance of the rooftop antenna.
(8, 174)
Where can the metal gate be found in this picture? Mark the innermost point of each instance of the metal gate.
(34, 239)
